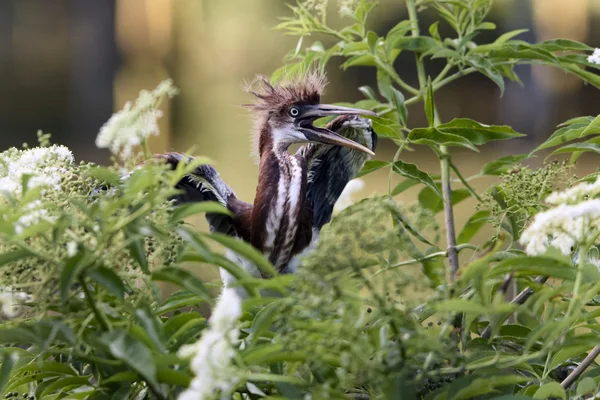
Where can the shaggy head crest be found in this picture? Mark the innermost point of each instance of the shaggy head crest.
(306, 89)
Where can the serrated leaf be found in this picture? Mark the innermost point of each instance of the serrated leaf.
(476, 132)
(523, 51)
(109, 280)
(137, 251)
(412, 172)
(502, 165)
(562, 135)
(578, 147)
(361, 60)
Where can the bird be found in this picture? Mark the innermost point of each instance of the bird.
(281, 222)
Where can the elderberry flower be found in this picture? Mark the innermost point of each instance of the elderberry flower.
(10, 301)
(346, 7)
(562, 227)
(345, 199)
(211, 356)
(34, 213)
(595, 58)
(132, 125)
(575, 194)
(44, 165)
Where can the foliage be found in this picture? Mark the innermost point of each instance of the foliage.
(83, 249)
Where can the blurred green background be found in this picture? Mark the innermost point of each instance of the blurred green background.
(66, 65)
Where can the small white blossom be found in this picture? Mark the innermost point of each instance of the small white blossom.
(575, 194)
(563, 227)
(345, 199)
(44, 164)
(594, 58)
(127, 128)
(212, 354)
(10, 301)
(71, 249)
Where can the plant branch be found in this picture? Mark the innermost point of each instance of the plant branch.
(90, 299)
(449, 212)
(581, 367)
(519, 299)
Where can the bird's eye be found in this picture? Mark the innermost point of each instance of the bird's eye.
(294, 112)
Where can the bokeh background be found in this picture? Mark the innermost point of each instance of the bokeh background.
(66, 65)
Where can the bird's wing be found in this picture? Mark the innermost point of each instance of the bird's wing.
(205, 184)
(330, 168)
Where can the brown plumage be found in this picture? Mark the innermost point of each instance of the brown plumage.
(280, 222)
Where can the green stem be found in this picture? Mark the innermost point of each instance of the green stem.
(578, 278)
(394, 76)
(396, 157)
(90, 299)
(448, 212)
(146, 150)
(443, 74)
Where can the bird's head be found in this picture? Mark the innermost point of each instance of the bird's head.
(286, 114)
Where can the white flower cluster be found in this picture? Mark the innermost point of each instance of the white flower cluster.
(594, 58)
(44, 164)
(212, 354)
(34, 214)
(345, 199)
(10, 301)
(575, 194)
(127, 128)
(572, 222)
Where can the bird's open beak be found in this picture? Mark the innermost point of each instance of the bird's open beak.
(326, 136)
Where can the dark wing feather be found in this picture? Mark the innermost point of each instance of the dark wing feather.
(330, 168)
(205, 184)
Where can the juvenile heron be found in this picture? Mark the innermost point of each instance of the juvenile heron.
(280, 222)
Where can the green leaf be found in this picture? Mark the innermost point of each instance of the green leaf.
(435, 137)
(151, 325)
(104, 174)
(433, 30)
(523, 51)
(361, 60)
(587, 76)
(418, 44)
(563, 45)
(132, 352)
(64, 384)
(8, 362)
(172, 377)
(397, 99)
(404, 185)
(184, 279)
(137, 250)
(371, 166)
(14, 255)
(552, 389)
(460, 305)
(372, 39)
(586, 386)
(538, 265)
(478, 133)
(578, 147)
(429, 200)
(368, 92)
(73, 267)
(109, 280)
(181, 298)
(563, 135)
(429, 104)
(472, 226)
(412, 172)
(183, 211)
(565, 353)
(481, 386)
(244, 250)
(502, 165)
(263, 319)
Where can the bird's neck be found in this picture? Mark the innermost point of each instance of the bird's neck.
(278, 206)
